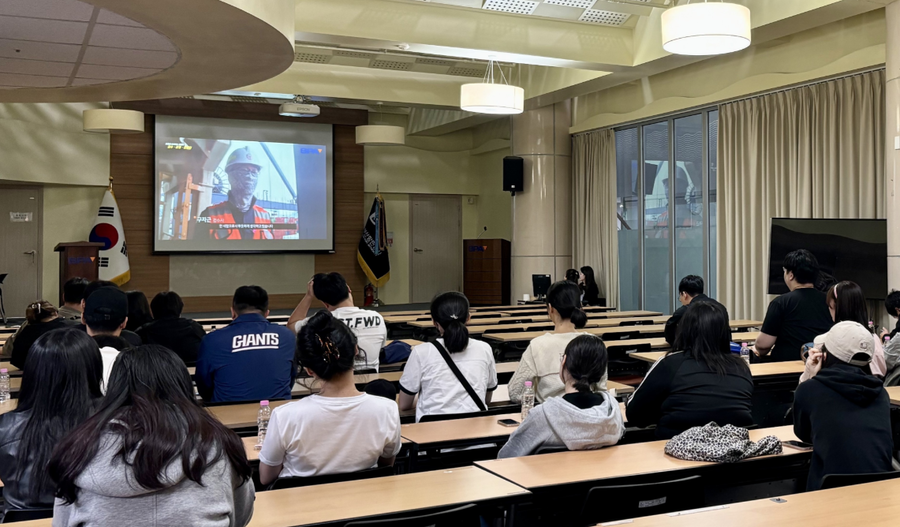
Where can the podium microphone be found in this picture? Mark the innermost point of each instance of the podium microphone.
(482, 232)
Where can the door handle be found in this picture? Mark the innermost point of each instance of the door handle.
(417, 250)
(33, 253)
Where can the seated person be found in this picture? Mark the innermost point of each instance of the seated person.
(138, 310)
(169, 330)
(892, 305)
(700, 383)
(580, 419)
(428, 373)
(589, 286)
(129, 336)
(105, 315)
(151, 455)
(60, 390)
(689, 289)
(338, 429)
(382, 388)
(572, 275)
(332, 290)
(846, 301)
(251, 359)
(540, 362)
(891, 341)
(843, 410)
(42, 317)
(794, 318)
(73, 293)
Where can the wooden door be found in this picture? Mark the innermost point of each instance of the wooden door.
(20, 238)
(436, 249)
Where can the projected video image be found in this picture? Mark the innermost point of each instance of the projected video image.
(232, 194)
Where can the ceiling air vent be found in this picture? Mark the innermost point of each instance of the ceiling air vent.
(606, 18)
(580, 4)
(460, 71)
(313, 58)
(519, 7)
(392, 65)
(434, 62)
(354, 54)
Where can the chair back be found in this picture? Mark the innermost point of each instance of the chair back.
(295, 482)
(617, 502)
(832, 481)
(21, 515)
(449, 417)
(503, 329)
(550, 450)
(465, 516)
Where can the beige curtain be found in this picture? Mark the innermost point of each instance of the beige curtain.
(810, 152)
(594, 209)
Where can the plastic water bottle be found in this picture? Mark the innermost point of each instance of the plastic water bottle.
(262, 422)
(527, 400)
(4, 385)
(872, 326)
(745, 353)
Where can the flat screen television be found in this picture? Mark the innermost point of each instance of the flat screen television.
(854, 250)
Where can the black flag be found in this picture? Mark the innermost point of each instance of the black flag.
(372, 253)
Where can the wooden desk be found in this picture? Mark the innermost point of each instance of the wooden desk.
(8, 365)
(240, 415)
(871, 504)
(340, 502)
(621, 389)
(525, 336)
(894, 393)
(593, 313)
(459, 430)
(253, 453)
(534, 472)
(479, 326)
(794, 367)
(8, 406)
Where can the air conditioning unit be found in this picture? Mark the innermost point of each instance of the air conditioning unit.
(296, 109)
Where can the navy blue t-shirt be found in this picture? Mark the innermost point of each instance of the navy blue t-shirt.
(251, 359)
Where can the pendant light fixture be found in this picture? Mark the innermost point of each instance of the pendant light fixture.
(112, 121)
(706, 28)
(492, 97)
(380, 134)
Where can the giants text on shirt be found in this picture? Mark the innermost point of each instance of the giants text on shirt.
(253, 341)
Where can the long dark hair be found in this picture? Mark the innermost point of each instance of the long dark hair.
(326, 346)
(586, 361)
(565, 298)
(705, 335)
(589, 279)
(849, 303)
(138, 310)
(60, 387)
(150, 406)
(572, 275)
(451, 310)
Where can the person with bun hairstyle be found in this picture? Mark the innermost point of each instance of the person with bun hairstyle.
(428, 374)
(337, 430)
(541, 360)
(701, 382)
(42, 317)
(580, 419)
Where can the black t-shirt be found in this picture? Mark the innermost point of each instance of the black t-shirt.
(794, 319)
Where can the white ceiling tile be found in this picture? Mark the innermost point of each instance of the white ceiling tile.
(22, 49)
(54, 9)
(32, 81)
(36, 67)
(604, 18)
(129, 57)
(38, 30)
(581, 4)
(561, 12)
(520, 7)
(108, 17)
(129, 38)
(92, 71)
(88, 82)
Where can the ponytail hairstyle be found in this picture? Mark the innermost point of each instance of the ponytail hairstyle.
(451, 311)
(326, 346)
(565, 298)
(572, 275)
(586, 360)
(40, 311)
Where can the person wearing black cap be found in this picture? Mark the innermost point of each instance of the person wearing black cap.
(130, 337)
(105, 315)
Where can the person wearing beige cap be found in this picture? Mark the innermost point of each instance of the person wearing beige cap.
(843, 410)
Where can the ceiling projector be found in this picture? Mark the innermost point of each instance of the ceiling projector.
(297, 109)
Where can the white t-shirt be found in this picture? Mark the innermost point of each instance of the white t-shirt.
(370, 331)
(108, 355)
(331, 435)
(440, 392)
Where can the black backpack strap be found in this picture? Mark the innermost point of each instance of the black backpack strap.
(459, 376)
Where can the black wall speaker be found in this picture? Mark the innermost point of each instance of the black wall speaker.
(513, 174)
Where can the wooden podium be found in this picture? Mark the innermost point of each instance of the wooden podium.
(486, 270)
(77, 259)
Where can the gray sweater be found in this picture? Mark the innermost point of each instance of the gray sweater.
(109, 496)
(558, 423)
